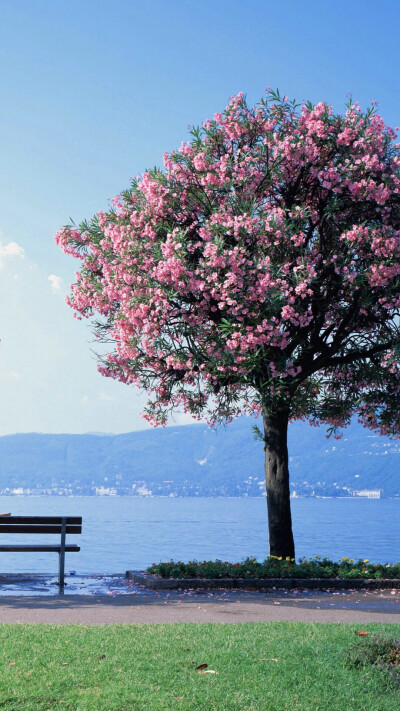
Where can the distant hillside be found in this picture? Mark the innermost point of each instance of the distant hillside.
(194, 460)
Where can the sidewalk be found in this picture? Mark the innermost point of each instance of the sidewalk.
(357, 607)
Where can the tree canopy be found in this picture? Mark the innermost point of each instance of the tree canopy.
(259, 270)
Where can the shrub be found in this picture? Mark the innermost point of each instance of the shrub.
(276, 567)
(378, 651)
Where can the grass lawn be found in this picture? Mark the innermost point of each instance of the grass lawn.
(276, 666)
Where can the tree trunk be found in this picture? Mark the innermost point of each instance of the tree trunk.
(277, 483)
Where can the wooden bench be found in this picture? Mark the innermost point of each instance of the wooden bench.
(61, 525)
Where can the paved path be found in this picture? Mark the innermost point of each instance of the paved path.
(358, 607)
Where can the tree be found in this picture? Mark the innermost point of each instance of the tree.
(257, 273)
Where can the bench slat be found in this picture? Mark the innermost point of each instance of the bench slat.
(22, 548)
(35, 528)
(48, 520)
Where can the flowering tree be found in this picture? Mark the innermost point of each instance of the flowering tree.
(258, 273)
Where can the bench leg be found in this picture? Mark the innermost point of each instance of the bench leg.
(62, 554)
(61, 568)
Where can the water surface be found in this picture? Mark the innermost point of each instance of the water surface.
(125, 533)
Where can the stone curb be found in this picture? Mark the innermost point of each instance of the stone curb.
(157, 583)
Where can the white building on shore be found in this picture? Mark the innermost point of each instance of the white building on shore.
(368, 493)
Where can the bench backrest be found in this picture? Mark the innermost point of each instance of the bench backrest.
(40, 524)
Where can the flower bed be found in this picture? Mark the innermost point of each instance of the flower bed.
(274, 567)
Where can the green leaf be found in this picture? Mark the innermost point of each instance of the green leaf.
(258, 435)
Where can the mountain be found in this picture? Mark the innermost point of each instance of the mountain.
(194, 460)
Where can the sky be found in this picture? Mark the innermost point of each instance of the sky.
(92, 94)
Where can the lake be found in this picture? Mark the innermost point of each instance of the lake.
(125, 533)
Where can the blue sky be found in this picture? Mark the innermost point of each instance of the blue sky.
(93, 93)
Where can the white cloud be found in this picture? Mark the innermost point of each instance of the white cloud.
(56, 283)
(48, 376)
(12, 249)
(10, 375)
(182, 418)
(108, 398)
